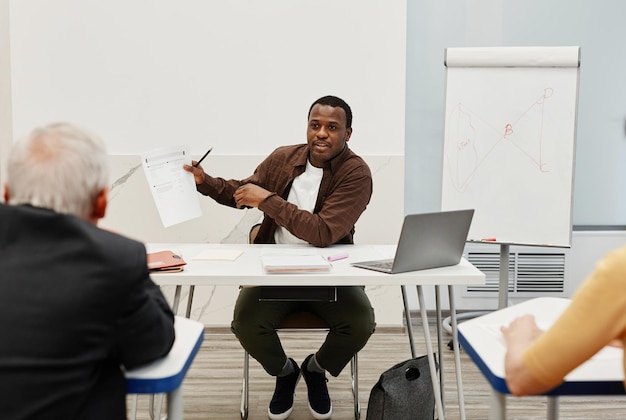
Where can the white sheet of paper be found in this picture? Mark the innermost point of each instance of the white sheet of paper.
(606, 352)
(173, 188)
(218, 255)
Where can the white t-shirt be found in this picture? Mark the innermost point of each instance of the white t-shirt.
(303, 194)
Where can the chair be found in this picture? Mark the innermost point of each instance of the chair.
(300, 321)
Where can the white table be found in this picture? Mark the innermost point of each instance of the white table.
(165, 376)
(480, 337)
(246, 270)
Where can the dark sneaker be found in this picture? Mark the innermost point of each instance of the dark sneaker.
(319, 400)
(281, 405)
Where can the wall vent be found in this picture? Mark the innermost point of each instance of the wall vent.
(529, 273)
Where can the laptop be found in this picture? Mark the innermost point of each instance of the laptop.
(427, 240)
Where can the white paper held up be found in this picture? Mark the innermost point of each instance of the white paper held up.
(173, 189)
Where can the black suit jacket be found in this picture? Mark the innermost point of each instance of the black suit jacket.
(76, 304)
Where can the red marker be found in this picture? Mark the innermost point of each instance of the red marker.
(488, 239)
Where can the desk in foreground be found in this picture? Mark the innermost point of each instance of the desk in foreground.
(480, 337)
(246, 269)
(165, 376)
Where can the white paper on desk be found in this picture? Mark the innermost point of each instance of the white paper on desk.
(277, 264)
(218, 255)
(494, 330)
(606, 352)
(173, 189)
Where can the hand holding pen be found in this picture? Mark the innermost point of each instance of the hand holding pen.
(202, 158)
(196, 171)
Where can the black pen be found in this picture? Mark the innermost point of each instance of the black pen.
(202, 158)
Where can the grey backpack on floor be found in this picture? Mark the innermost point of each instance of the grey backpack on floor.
(403, 392)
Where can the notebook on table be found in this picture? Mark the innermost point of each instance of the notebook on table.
(427, 240)
(286, 264)
(165, 261)
(296, 264)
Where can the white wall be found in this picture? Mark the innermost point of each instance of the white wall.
(236, 76)
(6, 120)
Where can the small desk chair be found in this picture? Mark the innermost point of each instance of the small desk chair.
(300, 321)
(303, 320)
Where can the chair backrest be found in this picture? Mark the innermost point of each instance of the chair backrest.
(253, 232)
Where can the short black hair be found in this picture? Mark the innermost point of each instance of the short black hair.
(334, 102)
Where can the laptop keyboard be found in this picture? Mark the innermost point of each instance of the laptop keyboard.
(384, 264)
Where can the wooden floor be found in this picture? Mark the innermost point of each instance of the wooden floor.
(212, 388)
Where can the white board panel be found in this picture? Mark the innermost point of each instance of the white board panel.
(509, 140)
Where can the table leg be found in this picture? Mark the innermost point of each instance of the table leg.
(176, 299)
(175, 404)
(133, 407)
(503, 282)
(497, 407)
(245, 390)
(429, 352)
(409, 325)
(457, 353)
(440, 345)
(155, 408)
(174, 399)
(553, 408)
(192, 288)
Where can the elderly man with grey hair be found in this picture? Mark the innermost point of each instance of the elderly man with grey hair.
(77, 304)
